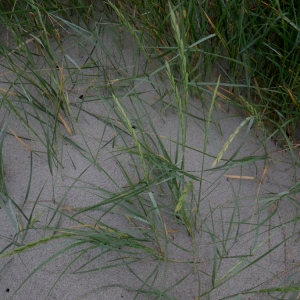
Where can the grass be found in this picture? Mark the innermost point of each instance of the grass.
(254, 44)
(79, 93)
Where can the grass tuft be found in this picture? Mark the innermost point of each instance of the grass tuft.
(88, 89)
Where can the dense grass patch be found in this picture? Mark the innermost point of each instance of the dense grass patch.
(255, 47)
(67, 63)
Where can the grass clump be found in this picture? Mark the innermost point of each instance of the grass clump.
(132, 196)
(253, 44)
